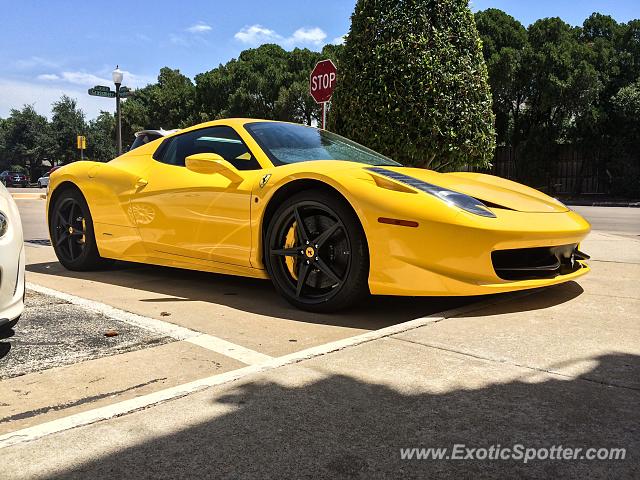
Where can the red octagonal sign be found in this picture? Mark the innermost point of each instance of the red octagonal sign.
(323, 81)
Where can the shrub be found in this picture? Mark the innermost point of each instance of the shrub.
(413, 84)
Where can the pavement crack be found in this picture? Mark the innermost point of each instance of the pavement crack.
(613, 261)
(515, 364)
(82, 401)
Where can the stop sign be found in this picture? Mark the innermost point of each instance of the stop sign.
(323, 81)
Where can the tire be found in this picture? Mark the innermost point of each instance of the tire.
(72, 234)
(8, 326)
(325, 266)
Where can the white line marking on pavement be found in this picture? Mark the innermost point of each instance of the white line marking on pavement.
(245, 355)
(218, 345)
(127, 406)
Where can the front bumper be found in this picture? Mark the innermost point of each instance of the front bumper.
(12, 288)
(454, 257)
(12, 264)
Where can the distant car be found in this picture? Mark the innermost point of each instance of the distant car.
(11, 262)
(14, 179)
(145, 136)
(43, 181)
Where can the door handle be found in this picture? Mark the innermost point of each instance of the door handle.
(141, 183)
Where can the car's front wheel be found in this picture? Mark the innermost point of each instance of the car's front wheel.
(316, 252)
(71, 229)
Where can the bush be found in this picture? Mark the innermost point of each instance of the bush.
(413, 84)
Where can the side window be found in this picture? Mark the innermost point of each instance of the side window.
(221, 140)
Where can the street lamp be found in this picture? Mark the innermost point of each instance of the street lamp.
(117, 75)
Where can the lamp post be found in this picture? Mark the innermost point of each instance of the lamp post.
(117, 79)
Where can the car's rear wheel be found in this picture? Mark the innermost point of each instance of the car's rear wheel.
(71, 229)
(316, 252)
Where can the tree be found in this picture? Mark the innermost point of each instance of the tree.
(100, 138)
(624, 162)
(413, 84)
(265, 82)
(503, 42)
(257, 78)
(27, 139)
(67, 123)
(167, 104)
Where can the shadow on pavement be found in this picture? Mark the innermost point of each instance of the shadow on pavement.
(341, 427)
(259, 296)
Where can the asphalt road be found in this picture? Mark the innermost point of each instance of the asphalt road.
(53, 333)
(612, 219)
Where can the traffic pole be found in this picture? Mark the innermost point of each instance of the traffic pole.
(324, 115)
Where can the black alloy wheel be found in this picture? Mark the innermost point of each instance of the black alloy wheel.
(72, 235)
(69, 230)
(317, 255)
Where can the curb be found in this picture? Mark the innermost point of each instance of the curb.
(29, 196)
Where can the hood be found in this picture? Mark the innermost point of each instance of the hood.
(494, 191)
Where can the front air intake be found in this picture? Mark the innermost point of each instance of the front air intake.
(534, 263)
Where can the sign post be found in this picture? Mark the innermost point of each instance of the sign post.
(322, 83)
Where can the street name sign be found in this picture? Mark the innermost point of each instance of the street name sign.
(102, 93)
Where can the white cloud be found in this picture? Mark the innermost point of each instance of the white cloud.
(83, 78)
(199, 27)
(89, 79)
(255, 35)
(48, 77)
(35, 62)
(339, 40)
(16, 94)
(314, 36)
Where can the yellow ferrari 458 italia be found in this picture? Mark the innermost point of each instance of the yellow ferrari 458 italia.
(326, 219)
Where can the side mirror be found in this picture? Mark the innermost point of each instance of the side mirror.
(210, 163)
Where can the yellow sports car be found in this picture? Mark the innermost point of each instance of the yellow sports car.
(326, 219)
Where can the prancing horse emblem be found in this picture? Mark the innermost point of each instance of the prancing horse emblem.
(264, 180)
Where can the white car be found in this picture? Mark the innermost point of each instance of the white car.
(12, 262)
(43, 182)
(145, 136)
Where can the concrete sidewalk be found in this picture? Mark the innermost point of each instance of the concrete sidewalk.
(558, 366)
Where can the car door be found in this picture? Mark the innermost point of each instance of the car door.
(197, 217)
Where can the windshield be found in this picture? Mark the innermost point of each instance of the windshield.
(286, 143)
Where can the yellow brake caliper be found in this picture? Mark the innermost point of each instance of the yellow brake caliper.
(290, 241)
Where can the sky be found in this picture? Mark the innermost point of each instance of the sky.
(48, 48)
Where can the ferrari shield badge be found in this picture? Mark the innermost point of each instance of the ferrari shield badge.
(264, 180)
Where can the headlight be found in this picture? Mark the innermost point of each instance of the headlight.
(4, 224)
(457, 199)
